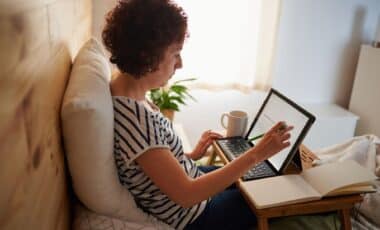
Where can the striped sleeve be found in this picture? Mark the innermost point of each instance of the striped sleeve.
(136, 130)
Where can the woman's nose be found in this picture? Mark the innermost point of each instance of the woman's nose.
(178, 64)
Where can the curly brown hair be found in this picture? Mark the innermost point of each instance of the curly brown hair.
(138, 32)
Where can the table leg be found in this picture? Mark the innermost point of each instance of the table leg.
(262, 223)
(345, 218)
(211, 159)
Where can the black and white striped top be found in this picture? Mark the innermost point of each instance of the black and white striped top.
(138, 129)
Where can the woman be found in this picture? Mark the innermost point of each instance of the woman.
(145, 38)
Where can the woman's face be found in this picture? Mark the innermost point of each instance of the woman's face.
(171, 61)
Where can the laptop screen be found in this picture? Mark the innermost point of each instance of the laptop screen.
(277, 108)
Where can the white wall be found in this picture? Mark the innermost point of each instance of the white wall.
(318, 47)
(317, 51)
(315, 61)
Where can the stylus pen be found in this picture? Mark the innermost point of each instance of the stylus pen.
(256, 137)
(261, 135)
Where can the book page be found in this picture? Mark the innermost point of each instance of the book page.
(329, 177)
(352, 190)
(279, 190)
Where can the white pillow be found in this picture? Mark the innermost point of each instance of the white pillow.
(87, 122)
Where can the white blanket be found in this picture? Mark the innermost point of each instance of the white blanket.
(366, 151)
(84, 219)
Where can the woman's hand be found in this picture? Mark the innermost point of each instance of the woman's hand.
(275, 140)
(206, 140)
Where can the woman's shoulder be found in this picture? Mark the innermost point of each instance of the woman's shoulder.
(135, 111)
(134, 104)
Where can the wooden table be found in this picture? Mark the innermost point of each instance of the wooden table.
(342, 204)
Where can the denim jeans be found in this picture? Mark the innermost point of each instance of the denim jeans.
(226, 210)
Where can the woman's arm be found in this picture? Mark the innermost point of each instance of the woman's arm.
(165, 171)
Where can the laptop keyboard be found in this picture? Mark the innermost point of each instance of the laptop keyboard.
(260, 170)
(234, 148)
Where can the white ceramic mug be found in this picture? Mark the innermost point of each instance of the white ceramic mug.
(237, 123)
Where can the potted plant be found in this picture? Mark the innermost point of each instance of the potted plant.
(169, 98)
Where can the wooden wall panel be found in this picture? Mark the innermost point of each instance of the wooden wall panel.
(38, 41)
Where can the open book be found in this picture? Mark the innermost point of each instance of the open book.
(332, 179)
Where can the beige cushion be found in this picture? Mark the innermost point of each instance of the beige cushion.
(87, 122)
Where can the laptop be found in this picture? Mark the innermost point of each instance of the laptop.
(276, 107)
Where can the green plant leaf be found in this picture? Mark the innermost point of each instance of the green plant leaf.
(178, 88)
(178, 99)
(173, 106)
(172, 97)
(189, 95)
(184, 80)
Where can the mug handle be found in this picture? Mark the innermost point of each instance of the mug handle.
(222, 120)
